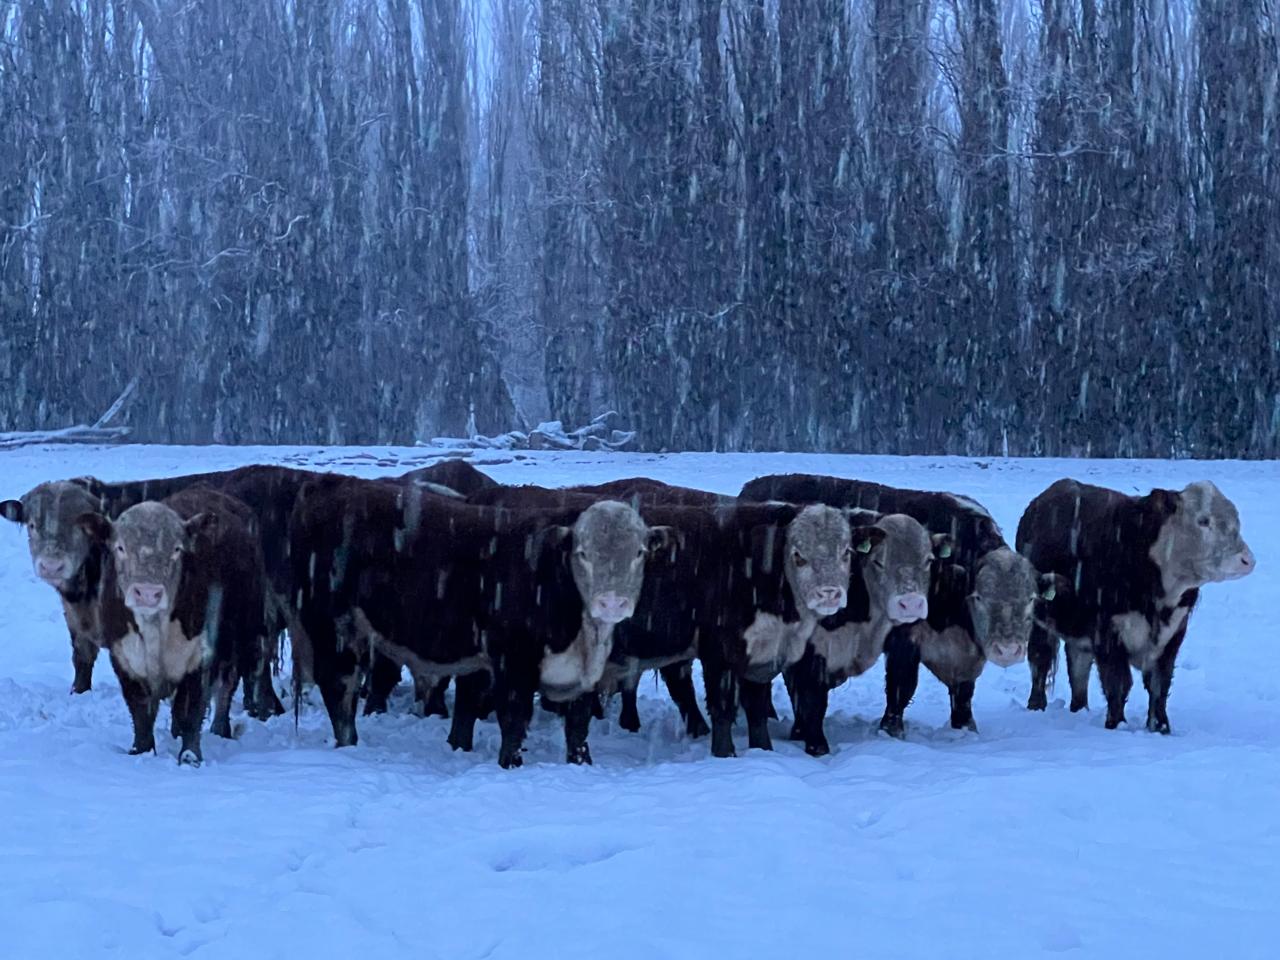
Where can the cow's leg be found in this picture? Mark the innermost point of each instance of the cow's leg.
(514, 685)
(721, 688)
(338, 676)
(384, 676)
(901, 676)
(468, 689)
(265, 702)
(1079, 663)
(811, 711)
(142, 711)
(190, 701)
(577, 725)
(1117, 680)
(962, 705)
(679, 680)
(1158, 680)
(1042, 655)
(177, 710)
(428, 697)
(756, 698)
(226, 679)
(629, 718)
(84, 653)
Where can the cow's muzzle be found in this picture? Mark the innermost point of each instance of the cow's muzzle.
(825, 601)
(908, 607)
(145, 597)
(53, 570)
(611, 608)
(1006, 653)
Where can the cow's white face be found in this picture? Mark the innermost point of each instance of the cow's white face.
(610, 544)
(1002, 605)
(896, 569)
(1200, 541)
(58, 544)
(819, 556)
(147, 545)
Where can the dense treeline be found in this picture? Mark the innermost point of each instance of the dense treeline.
(946, 226)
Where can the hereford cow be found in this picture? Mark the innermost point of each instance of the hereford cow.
(449, 588)
(889, 587)
(66, 558)
(1135, 567)
(180, 610)
(670, 616)
(981, 603)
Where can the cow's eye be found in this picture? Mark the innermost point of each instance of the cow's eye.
(1206, 522)
(640, 553)
(798, 559)
(120, 549)
(847, 555)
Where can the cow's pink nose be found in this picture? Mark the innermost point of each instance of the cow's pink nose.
(610, 607)
(146, 595)
(827, 598)
(910, 606)
(51, 569)
(1007, 654)
(1246, 559)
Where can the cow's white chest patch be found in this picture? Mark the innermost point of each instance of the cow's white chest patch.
(951, 654)
(159, 652)
(580, 667)
(851, 649)
(771, 640)
(1143, 643)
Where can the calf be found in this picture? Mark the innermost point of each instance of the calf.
(455, 474)
(1135, 566)
(449, 588)
(180, 609)
(888, 587)
(981, 603)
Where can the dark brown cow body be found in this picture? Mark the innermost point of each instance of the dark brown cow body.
(181, 609)
(455, 474)
(981, 603)
(1135, 566)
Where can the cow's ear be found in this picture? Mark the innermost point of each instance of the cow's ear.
(96, 527)
(549, 538)
(944, 548)
(12, 510)
(1164, 502)
(201, 525)
(664, 538)
(866, 539)
(1052, 585)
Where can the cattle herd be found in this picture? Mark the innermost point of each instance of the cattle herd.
(515, 593)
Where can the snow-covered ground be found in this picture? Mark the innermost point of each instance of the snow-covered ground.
(1043, 834)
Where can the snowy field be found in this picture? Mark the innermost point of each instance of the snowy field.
(1041, 835)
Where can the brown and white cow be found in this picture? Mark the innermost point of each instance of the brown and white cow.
(66, 558)
(1135, 566)
(181, 609)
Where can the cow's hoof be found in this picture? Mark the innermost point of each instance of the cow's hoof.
(722, 744)
(964, 725)
(1078, 705)
(795, 733)
(629, 722)
(374, 707)
(465, 744)
(190, 758)
(820, 749)
(510, 759)
(222, 728)
(1037, 700)
(580, 756)
(893, 726)
(138, 749)
(1113, 722)
(80, 688)
(1158, 726)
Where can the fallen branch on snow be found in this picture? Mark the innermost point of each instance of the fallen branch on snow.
(597, 435)
(99, 432)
